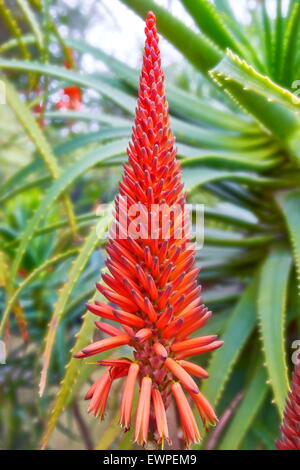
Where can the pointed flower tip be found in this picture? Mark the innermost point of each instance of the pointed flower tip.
(150, 18)
(79, 355)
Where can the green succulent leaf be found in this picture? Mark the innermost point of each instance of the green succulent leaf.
(272, 298)
(291, 38)
(181, 102)
(76, 374)
(13, 299)
(237, 331)
(210, 22)
(66, 291)
(197, 48)
(290, 203)
(246, 412)
(276, 108)
(59, 186)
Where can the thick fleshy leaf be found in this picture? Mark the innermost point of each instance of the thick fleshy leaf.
(210, 22)
(272, 297)
(237, 330)
(245, 414)
(290, 203)
(197, 48)
(59, 186)
(273, 106)
(181, 102)
(14, 297)
(66, 291)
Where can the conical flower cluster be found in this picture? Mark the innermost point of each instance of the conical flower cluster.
(152, 285)
(290, 429)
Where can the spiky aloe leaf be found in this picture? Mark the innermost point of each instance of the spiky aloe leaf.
(290, 39)
(210, 23)
(290, 203)
(59, 186)
(272, 296)
(240, 325)
(273, 106)
(197, 48)
(14, 297)
(245, 414)
(66, 291)
(39, 140)
(74, 376)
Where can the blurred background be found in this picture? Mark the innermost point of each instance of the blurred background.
(69, 71)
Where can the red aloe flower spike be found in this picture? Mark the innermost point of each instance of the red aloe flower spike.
(290, 428)
(152, 279)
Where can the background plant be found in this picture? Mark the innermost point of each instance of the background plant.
(235, 114)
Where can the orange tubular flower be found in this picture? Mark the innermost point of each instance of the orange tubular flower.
(290, 429)
(71, 98)
(152, 281)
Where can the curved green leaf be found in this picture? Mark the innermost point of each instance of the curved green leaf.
(66, 291)
(39, 140)
(59, 186)
(272, 297)
(76, 373)
(290, 204)
(117, 96)
(274, 107)
(32, 21)
(247, 411)
(181, 102)
(50, 262)
(237, 330)
(194, 179)
(290, 39)
(197, 48)
(207, 17)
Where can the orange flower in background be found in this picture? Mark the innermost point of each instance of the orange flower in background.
(71, 96)
(152, 282)
(290, 429)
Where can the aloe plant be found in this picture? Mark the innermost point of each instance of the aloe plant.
(238, 142)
